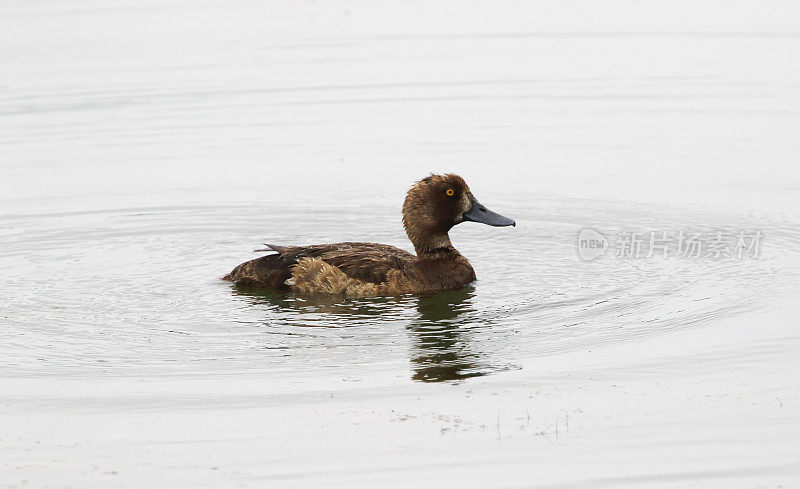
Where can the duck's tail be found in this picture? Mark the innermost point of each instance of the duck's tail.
(271, 247)
(269, 271)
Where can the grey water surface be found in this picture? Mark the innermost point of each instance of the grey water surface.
(109, 290)
(146, 148)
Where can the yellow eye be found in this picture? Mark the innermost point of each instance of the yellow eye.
(450, 192)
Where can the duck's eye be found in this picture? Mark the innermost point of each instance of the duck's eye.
(450, 192)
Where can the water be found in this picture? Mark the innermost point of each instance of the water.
(139, 166)
(118, 289)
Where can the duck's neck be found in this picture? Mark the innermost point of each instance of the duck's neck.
(429, 244)
(443, 249)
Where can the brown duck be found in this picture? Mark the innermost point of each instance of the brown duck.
(433, 206)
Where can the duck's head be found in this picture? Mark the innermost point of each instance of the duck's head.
(437, 203)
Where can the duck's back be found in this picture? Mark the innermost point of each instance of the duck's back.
(352, 269)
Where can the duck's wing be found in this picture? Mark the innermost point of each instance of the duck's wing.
(367, 262)
(364, 262)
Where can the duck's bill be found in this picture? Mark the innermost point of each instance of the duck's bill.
(479, 213)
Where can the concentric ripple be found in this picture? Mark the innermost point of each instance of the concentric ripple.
(106, 291)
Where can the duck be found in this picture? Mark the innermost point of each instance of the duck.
(432, 207)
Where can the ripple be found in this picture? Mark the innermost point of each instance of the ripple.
(138, 287)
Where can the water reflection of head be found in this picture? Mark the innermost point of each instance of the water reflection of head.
(440, 338)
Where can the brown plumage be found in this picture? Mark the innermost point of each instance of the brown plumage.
(432, 207)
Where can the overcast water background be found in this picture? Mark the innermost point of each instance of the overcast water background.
(146, 148)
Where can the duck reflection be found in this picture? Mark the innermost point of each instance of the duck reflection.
(441, 328)
(329, 306)
(442, 348)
